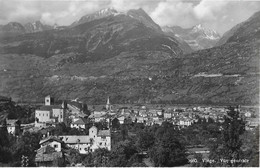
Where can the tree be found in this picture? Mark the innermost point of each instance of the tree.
(5, 152)
(85, 109)
(168, 151)
(102, 125)
(101, 157)
(60, 129)
(4, 140)
(27, 145)
(115, 124)
(124, 132)
(73, 156)
(253, 143)
(254, 161)
(229, 146)
(5, 155)
(145, 140)
(88, 160)
(122, 153)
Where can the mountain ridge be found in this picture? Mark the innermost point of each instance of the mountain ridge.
(120, 57)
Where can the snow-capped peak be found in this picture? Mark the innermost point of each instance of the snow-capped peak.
(206, 32)
(108, 11)
(97, 15)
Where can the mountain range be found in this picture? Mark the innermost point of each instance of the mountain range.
(130, 58)
(198, 37)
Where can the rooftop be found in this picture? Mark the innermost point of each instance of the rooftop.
(75, 139)
(11, 122)
(51, 138)
(49, 108)
(80, 121)
(104, 133)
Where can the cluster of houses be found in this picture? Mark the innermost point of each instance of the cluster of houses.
(73, 114)
(47, 116)
(51, 152)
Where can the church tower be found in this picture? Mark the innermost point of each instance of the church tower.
(48, 100)
(108, 105)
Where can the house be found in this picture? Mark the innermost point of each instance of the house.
(52, 141)
(48, 156)
(80, 123)
(155, 118)
(143, 113)
(140, 120)
(46, 132)
(101, 138)
(167, 115)
(252, 124)
(153, 113)
(160, 112)
(82, 143)
(248, 114)
(89, 143)
(49, 113)
(121, 119)
(97, 117)
(159, 121)
(13, 126)
(184, 122)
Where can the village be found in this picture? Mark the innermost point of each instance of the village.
(77, 115)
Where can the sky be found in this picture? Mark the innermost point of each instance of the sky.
(220, 15)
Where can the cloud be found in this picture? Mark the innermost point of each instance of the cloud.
(177, 13)
(216, 14)
(209, 10)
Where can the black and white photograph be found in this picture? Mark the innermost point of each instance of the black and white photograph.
(129, 83)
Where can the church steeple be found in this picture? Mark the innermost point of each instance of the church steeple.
(108, 105)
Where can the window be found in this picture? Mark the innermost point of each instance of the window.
(61, 116)
(47, 114)
(39, 114)
(100, 143)
(105, 144)
(43, 114)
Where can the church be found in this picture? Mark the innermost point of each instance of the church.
(49, 113)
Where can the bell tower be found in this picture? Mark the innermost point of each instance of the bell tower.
(48, 100)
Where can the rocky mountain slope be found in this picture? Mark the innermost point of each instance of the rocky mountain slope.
(96, 39)
(95, 49)
(12, 29)
(36, 26)
(198, 37)
(248, 29)
(130, 61)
